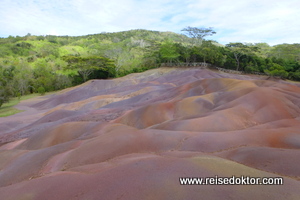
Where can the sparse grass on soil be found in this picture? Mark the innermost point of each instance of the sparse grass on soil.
(8, 109)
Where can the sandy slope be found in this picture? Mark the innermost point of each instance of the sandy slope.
(133, 137)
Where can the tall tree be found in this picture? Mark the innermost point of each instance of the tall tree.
(86, 65)
(239, 49)
(198, 34)
(211, 53)
(22, 76)
(168, 51)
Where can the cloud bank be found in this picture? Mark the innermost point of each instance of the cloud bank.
(270, 21)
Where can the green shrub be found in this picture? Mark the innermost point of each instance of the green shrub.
(41, 90)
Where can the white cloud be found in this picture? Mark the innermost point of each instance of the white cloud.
(271, 21)
(250, 20)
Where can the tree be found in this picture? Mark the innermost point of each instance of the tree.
(286, 51)
(86, 65)
(295, 75)
(4, 95)
(211, 53)
(265, 49)
(118, 54)
(277, 70)
(122, 60)
(21, 76)
(43, 74)
(239, 49)
(198, 34)
(5, 92)
(168, 51)
(41, 90)
(185, 52)
(48, 49)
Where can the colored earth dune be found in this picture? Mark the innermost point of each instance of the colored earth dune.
(135, 136)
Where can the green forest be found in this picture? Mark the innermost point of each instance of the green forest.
(39, 64)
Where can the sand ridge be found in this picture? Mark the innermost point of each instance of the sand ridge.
(133, 137)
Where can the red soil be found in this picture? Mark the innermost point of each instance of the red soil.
(133, 137)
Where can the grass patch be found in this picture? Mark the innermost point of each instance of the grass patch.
(4, 112)
(8, 109)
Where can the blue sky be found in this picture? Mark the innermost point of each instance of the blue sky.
(271, 21)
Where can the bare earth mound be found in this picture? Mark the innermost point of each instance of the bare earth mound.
(134, 137)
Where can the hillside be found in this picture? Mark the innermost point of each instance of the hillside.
(133, 138)
(39, 64)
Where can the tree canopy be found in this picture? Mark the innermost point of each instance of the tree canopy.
(85, 66)
(198, 34)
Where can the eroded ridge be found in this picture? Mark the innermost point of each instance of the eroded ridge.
(133, 137)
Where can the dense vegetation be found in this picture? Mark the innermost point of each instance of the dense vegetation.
(46, 63)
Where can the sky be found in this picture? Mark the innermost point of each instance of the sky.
(254, 21)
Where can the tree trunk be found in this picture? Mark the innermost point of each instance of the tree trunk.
(237, 58)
